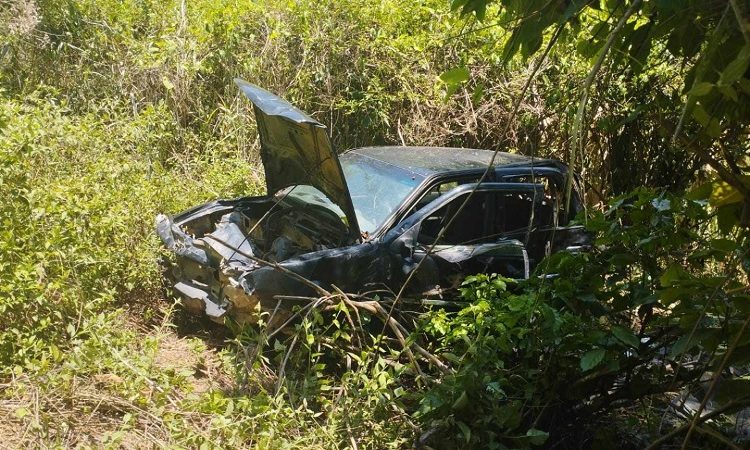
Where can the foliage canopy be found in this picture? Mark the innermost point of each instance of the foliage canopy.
(709, 117)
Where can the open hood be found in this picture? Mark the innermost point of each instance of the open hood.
(296, 150)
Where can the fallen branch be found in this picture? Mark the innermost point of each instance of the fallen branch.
(376, 309)
(715, 413)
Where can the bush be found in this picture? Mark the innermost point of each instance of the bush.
(648, 311)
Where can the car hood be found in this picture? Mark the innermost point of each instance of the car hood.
(296, 150)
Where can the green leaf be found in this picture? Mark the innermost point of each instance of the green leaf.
(725, 194)
(701, 89)
(461, 402)
(729, 92)
(588, 48)
(494, 388)
(686, 37)
(700, 115)
(683, 344)
(531, 45)
(537, 437)
(673, 273)
(727, 217)
(573, 8)
(723, 245)
(455, 4)
(22, 412)
(464, 430)
(702, 192)
(592, 358)
(480, 10)
(167, 84)
(455, 76)
(622, 259)
(714, 128)
(626, 336)
(672, 294)
(737, 68)
(478, 94)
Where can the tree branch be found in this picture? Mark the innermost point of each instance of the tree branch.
(715, 413)
(577, 138)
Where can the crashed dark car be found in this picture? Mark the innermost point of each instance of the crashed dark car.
(363, 220)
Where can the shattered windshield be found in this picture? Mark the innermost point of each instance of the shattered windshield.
(310, 195)
(377, 188)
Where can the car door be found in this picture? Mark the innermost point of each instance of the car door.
(456, 235)
(549, 229)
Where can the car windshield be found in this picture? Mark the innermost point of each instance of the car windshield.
(377, 188)
(309, 195)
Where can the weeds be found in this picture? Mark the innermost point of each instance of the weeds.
(111, 112)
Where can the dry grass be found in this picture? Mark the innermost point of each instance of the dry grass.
(101, 410)
(22, 16)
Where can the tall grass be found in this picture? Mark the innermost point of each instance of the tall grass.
(112, 111)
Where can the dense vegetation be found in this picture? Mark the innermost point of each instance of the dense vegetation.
(113, 111)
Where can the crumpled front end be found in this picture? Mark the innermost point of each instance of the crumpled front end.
(226, 252)
(211, 271)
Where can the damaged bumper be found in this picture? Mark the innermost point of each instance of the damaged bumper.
(213, 273)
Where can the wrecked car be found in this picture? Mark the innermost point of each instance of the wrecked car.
(363, 220)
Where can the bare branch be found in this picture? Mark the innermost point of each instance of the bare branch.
(699, 419)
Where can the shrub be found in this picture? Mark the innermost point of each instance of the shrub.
(648, 311)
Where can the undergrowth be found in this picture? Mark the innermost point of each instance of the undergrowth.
(112, 112)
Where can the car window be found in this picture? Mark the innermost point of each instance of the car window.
(439, 189)
(513, 214)
(547, 211)
(376, 189)
(468, 227)
(488, 216)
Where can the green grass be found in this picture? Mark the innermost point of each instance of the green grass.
(92, 351)
(112, 112)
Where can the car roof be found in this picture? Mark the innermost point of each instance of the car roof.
(427, 161)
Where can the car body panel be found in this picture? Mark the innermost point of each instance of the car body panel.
(296, 150)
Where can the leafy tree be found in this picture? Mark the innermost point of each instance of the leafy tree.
(665, 287)
(710, 39)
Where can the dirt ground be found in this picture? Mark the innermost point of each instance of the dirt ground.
(89, 410)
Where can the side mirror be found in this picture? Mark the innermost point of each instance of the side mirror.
(401, 248)
(403, 244)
